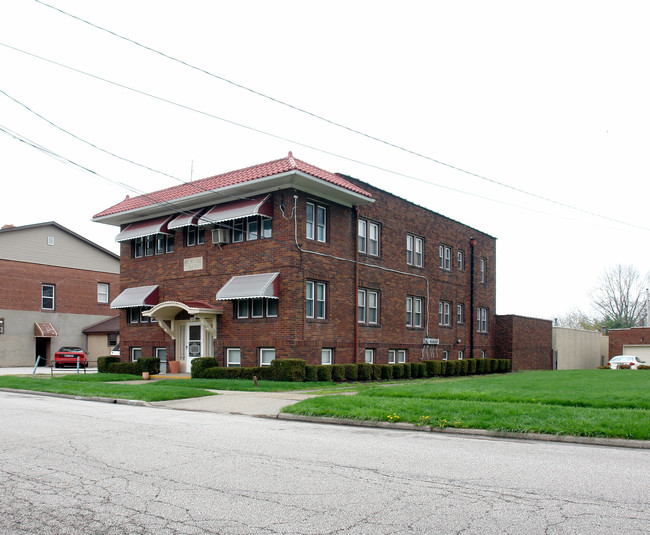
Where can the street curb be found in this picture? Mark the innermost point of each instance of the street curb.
(116, 401)
(401, 426)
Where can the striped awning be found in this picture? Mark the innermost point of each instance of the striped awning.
(250, 286)
(45, 330)
(142, 229)
(237, 210)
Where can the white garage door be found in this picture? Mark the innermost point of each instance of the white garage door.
(643, 352)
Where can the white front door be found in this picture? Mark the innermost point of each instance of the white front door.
(193, 344)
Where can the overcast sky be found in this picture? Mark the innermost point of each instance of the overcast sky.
(529, 121)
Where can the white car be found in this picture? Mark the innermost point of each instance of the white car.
(115, 352)
(631, 360)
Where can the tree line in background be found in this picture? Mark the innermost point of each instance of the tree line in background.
(619, 301)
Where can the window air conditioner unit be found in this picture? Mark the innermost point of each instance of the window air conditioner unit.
(430, 341)
(220, 235)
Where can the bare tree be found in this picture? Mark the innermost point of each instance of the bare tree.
(620, 297)
(577, 319)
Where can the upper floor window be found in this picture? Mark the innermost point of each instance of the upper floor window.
(413, 311)
(258, 307)
(460, 313)
(315, 299)
(481, 319)
(195, 236)
(135, 315)
(483, 268)
(154, 244)
(414, 248)
(445, 314)
(102, 292)
(47, 296)
(461, 260)
(368, 237)
(316, 222)
(368, 306)
(444, 252)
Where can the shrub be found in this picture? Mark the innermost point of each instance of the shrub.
(324, 372)
(338, 373)
(288, 370)
(443, 367)
(624, 367)
(420, 369)
(376, 372)
(605, 367)
(503, 363)
(397, 371)
(149, 364)
(311, 375)
(463, 367)
(471, 366)
(124, 367)
(641, 367)
(480, 366)
(406, 370)
(103, 362)
(364, 372)
(433, 368)
(261, 372)
(201, 364)
(494, 365)
(351, 372)
(452, 368)
(386, 372)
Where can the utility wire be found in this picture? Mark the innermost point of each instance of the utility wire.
(301, 144)
(325, 119)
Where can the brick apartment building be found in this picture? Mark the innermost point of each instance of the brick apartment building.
(284, 259)
(53, 283)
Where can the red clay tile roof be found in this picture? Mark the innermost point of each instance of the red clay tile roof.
(247, 174)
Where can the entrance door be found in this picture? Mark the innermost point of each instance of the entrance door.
(193, 344)
(41, 349)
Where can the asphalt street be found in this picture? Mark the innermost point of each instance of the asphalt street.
(72, 466)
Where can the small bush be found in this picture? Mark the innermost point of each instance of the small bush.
(338, 373)
(386, 372)
(364, 372)
(471, 366)
(351, 372)
(502, 367)
(463, 367)
(288, 370)
(103, 362)
(376, 372)
(433, 368)
(643, 367)
(624, 367)
(150, 364)
(261, 372)
(443, 367)
(397, 371)
(406, 370)
(324, 373)
(201, 364)
(311, 375)
(452, 368)
(124, 367)
(480, 366)
(420, 369)
(494, 365)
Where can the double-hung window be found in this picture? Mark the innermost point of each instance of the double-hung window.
(258, 307)
(316, 222)
(368, 233)
(413, 311)
(414, 248)
(396, 356)
(326, 354)
(233, 357)
(267, 354)
(195, 236)
(47, 296)
(461, 260)
(481, 319)
(460, 314)
(444, 252)
(445, 314)
(483, 269)
(102, 292)
(316, 299)
(368, 306)
(369, 356)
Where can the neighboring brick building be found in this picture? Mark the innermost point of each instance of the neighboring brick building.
(527, 342)
(633, 341)
(284, 259)
(53, 283)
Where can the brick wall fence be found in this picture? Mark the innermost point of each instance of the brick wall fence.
(527, 342)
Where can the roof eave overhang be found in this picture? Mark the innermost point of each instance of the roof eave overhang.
(289, 180)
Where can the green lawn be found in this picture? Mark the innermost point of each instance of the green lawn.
(604, 403)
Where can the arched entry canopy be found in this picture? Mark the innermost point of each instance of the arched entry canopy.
(168, 311)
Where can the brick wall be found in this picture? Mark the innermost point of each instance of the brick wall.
(527, 342)
(622, 337)
(75, 289)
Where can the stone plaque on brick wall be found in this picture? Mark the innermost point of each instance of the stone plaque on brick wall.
(192, 264)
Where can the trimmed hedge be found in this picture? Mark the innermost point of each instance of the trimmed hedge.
(201, 364)
(386, 372)
(364, 372)
(124, 367)
(103, 362)
(324, 372)
(292, 370)
(376, 372)
(338, 373)
(261, 372)
(433, 368)
(311, 375)
(150, 364)
(351, 372)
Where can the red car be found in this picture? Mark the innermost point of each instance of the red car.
(68, 356)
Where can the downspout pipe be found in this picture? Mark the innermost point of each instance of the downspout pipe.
(472, 246)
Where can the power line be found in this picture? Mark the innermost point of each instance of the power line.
(301, 144)
(325, 119)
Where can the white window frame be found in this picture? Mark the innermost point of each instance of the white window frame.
(368, 237)
(483, 268)
(265, 352)
(272, 308)
(135, 353)
(414, 250)
(238, 232)
(481, 319)
(461, 260)
(267, 227)
(461, 354)
(150, 245)
(138, 247)
(103, 289)
(51, 298)
(444, 251)
(444, 314)
(241, 303)
(257, 303)
(316, 222)
(365, 306)
(460, 313)
(326, 356)
(169, 244)
(252, 229)
(482, 353)
(413, 311)
(233, 357)
(315, 297)
(369, 356)
(391, 356)
(445, 354)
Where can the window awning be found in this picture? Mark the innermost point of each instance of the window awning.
(139, 296)
(45, 330)
(237, 210)
(142, 229)
(250, 286)
(185, 220)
